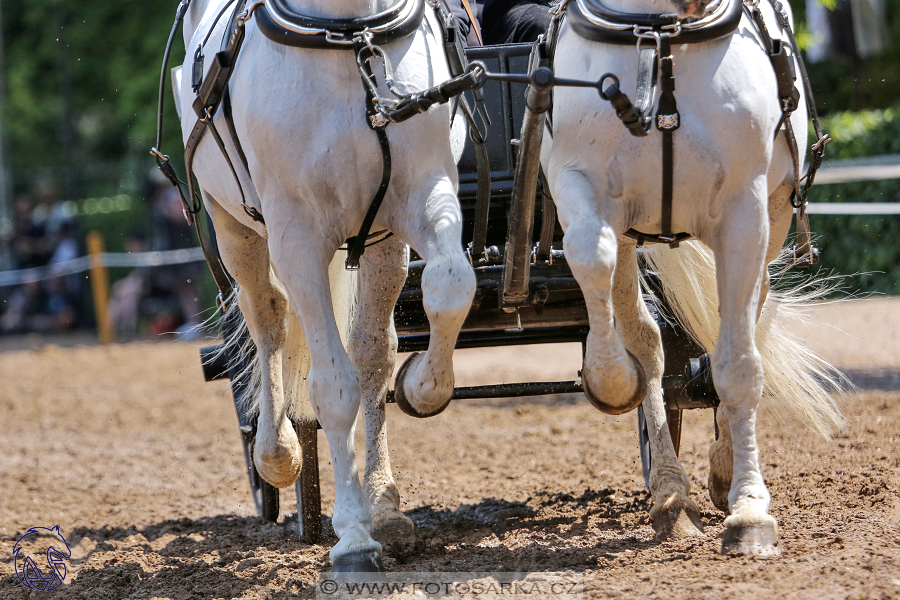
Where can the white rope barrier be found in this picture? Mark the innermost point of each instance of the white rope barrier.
(853, 208)
(872, 168)
(109, 259)
(838, 171)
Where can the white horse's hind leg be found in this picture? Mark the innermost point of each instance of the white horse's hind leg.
(674, 514)
(740, 250)
(301, 257)
(613, 379)
(425, 381)
(373, 349)
(263, 302)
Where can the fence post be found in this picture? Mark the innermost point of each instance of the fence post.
(100, 287)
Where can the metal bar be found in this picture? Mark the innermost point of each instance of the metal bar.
(517, 258)
(511, 390)
(502, 337)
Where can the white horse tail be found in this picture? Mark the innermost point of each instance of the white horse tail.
(799, 386)
(295, 354)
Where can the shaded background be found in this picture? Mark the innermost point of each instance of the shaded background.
(78, 85)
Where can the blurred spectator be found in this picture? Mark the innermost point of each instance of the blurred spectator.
(43, 236)
(172, 232)
(31, 246)
(42, 307)
(127, 293)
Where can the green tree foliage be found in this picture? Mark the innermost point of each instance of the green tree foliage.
(864, 246)
(847, 83)
(81, 85)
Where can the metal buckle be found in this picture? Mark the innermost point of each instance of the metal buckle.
(160, 157)
(820, 145)
(245, 16)
(337, 38)
(557, 9)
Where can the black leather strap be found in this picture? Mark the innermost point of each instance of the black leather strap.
(667, 121)
(356, 245)
(335, 34)
(483, 191)
(581, 25)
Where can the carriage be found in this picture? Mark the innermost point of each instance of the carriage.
(551, 309)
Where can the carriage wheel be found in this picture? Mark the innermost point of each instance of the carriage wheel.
(309, 498)
(673, 417)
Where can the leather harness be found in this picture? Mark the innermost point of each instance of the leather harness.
(591, 20)
(283, 25)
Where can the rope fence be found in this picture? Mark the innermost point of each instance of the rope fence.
(97, 261)
(83, 264)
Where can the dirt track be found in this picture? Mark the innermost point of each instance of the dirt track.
(139, 461)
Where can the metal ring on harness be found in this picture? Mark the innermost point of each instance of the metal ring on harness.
(603, 78)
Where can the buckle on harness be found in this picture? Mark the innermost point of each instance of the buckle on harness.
(338, 38)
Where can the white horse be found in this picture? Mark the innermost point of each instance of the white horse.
(314, 166)
(732, 186)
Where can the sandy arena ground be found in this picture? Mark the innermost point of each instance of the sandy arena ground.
(140, 463)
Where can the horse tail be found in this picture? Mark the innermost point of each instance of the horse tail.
(799, 385)
(243, 360)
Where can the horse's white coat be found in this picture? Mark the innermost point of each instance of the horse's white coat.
(731, 189)
(315, 166)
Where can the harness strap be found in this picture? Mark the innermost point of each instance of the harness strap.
(483, 191)
(667, 121)
(804, 254)
(356, 245)
(281, 24)
(548, 221)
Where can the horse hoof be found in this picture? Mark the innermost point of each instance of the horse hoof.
(632, 403)
(752, 539)
(364, 565)
(280, 471)
(400, 392)
(677, 520)
(395, 529)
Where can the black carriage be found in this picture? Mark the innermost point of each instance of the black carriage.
(526, 293)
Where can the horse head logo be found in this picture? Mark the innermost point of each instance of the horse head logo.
(29, 557)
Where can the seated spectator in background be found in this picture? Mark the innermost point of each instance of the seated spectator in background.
(41, 307)
(514, 21)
